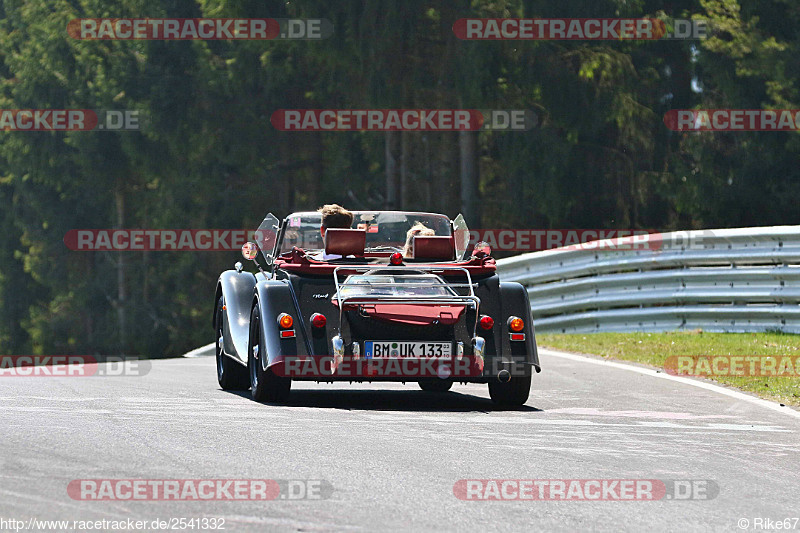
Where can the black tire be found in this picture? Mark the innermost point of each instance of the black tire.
(435, 385)
(230, 374)
(264, 384)
(513, 392)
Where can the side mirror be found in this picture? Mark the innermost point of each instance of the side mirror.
(482, 248)
(249, 251)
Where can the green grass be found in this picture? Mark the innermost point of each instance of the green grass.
(653, 348)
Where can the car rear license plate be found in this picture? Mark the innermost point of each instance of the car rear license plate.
(442, 350)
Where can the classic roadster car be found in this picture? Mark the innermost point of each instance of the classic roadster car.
(360, 305)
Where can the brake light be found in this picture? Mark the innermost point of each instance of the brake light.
(515, 324)
(285, 321)
(318, 320)
(487, 322)
(396, 259)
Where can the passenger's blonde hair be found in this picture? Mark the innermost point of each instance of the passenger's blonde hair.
(417, 229)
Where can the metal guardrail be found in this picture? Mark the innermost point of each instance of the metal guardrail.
(735, 280)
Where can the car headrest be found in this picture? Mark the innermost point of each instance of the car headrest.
(345, 242)
(437, 248)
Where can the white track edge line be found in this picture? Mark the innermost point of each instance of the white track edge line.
(686, 381)
(198, 352)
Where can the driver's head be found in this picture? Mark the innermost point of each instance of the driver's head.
(335, 216)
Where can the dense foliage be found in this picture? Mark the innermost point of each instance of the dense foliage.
(209, 158)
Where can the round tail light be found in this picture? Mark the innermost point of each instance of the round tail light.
(285, 321)
(487, 322)
(515, 324)
(318, 320)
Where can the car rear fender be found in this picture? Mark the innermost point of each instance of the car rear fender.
(236, 289)
(275, 297)
(515, 302)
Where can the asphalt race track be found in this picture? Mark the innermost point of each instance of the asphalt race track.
(393, 453)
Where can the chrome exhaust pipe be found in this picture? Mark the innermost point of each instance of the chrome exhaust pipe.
(338, 353)
(504, 376)
(338, 346)
(478, 347)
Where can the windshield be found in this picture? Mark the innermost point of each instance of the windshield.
(390, 285)
(386, 230)
(461, 232)
(266, 236)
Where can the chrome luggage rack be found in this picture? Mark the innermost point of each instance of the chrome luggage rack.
(468, 300)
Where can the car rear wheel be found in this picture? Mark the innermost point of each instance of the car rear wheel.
(513, 392)
(435, 385)
(265, 385)
(230, 374)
